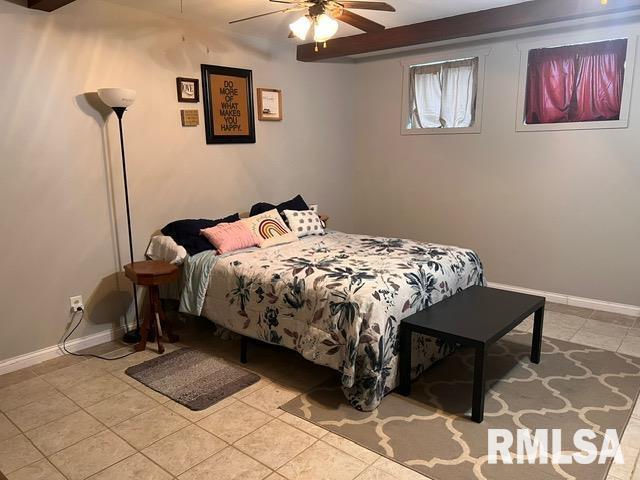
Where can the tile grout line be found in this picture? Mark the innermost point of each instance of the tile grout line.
(227, 445)
(21, 433)
(107, 428)
(160, 466)
(275, 470)
(278, 418)
(349, 454)
(316, 441)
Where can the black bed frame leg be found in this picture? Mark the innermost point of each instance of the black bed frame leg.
(243, 349)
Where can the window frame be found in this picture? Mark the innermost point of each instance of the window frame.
(444, 56)
(565, 41)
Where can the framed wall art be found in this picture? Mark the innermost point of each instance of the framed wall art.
(188, 90)
(269, 104)
(228, 105)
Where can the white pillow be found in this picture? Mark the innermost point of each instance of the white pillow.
(270, 229)
(165, 248)
(304, 222)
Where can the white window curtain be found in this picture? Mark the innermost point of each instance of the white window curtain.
(443, 95)
(426, 94)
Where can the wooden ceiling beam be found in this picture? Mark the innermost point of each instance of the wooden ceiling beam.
(47, 5)
(520, 15)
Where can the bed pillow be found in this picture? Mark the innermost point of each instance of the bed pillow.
(187, 232)
(296, 203)
(163, 247)
(270, 229)
(228, 237)
(304, 222)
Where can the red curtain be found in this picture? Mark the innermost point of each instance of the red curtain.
(551, 80)
(578, 83)
(599, 82)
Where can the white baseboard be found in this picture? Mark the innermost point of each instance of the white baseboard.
(612, 307)
(33, 358)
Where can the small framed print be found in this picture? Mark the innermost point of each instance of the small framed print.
(188, 90)
(190, 118)
(269, 104)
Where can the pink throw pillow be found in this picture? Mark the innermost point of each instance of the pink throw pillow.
(227, 237)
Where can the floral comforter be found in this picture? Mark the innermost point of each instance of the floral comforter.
(338, 300)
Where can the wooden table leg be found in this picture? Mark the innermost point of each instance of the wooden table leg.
(479, 379)
(147, 323)
(166, 325)
(154, 298)
(536, 344)
(405, 361)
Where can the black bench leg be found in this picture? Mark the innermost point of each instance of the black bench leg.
(479, 378)
(536, 345)
(405, 361)
(243, 349)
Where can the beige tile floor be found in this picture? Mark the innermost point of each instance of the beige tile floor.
(75, 418)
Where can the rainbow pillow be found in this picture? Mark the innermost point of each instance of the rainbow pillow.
(270, 229)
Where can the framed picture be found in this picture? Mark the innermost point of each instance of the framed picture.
(228, 105)
(269, 104)
(188, 90)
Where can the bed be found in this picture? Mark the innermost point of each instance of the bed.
(337, 299)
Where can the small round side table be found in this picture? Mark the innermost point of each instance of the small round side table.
(152, 274)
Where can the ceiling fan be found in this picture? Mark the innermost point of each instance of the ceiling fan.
(322, 16)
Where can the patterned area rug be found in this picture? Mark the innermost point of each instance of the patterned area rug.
(573, 387)
(192, 378)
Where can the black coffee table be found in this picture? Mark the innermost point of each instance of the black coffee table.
(476, 317)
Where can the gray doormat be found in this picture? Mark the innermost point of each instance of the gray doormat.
(192, 378)
(574, 387)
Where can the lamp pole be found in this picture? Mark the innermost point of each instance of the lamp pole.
(134, 336)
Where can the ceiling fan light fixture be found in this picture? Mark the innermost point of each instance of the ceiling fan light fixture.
(301, 27)
(325, 27)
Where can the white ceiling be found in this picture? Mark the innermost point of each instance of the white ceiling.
(218, 13)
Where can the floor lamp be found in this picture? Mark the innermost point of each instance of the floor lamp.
(119, 99)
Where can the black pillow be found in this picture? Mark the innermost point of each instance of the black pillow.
(296, 203)
(187, 232)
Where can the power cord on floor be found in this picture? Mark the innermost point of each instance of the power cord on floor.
(64, 341)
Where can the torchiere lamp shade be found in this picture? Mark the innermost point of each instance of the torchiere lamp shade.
(117, 97)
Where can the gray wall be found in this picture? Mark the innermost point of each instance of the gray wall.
(555, 211)
(62, 224)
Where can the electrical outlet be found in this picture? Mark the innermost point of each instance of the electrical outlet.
(77, 303)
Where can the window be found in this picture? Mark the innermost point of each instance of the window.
(576, 83)
(443, 94)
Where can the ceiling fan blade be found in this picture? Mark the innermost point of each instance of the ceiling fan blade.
(299, 3)
(384, 6)
(261, 15)
(359, 21)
